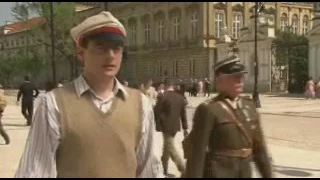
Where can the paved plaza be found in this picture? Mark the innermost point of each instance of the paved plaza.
(291, 125)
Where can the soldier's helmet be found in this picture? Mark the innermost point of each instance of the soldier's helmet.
(229, 66)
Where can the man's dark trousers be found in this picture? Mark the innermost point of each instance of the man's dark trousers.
(27, 110)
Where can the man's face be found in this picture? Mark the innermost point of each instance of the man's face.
(101, 58)
(230, 84)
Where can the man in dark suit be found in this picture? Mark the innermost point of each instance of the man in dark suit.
(27, 90)
(170, 110)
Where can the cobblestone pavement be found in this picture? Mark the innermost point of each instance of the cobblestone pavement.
(290, 125)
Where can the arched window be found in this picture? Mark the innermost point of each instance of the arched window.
(132, 32)
(194, 19)
(236, 23)
(176, 28)
(146, 21)
(305, 25)
(283, 21)
(295, 24)
(219, 24)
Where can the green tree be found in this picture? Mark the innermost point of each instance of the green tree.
(64, 19)
(8, 70)
(292, 49)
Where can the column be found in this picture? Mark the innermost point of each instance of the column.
(317, 66)
(153, 29)
(184, 27)
(246, 15)
(300, 21)
(139, 31)
(229, 18)
(311, 59)
(203, 22)
(278, 15)
(289, 16)
(167, 25)
(211, 19)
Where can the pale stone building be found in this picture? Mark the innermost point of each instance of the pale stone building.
(169, 39)
(314, 45)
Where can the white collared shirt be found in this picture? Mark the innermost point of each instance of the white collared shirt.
(38, 159)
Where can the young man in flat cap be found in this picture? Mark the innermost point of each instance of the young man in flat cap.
(93, 127)
(226, 134)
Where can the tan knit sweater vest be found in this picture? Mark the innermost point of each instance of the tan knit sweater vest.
(96, 144)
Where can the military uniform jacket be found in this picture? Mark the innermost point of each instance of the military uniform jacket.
(214, 133)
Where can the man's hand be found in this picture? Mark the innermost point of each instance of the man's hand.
(185, 133)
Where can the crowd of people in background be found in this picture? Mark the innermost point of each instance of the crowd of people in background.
(312, 89)
(193, 88)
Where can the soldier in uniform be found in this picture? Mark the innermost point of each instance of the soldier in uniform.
(226, 134)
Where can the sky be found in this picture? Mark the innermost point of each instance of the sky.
(5, 12)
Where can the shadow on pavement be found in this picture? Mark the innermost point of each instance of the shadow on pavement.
(302, 96)
(293, 114)
(294, 171)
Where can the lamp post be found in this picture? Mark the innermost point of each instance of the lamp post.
(105, 6)
(52, 45)
(255, 95)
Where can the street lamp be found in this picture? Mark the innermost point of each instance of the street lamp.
(105, 6)
(258, 7)
(52, 44)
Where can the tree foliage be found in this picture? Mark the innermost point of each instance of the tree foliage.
(64, 16)
(292, 49)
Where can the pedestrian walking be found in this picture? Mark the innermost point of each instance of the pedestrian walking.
(171, 112)
(160, 91)
(207, 85)
(93, 127)
(3, 104)
(310, 89)
(226, 134)
(317, 89)
(29, 92)
(150, 91)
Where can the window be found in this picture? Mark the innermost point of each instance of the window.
(271, 19)
(132, 33)
(305, 25)
(192, 67)
(147, 33)
(22, 41)
(194, 24)
(295, 24)
(159, 70)
(236, 26)
(284, 21)
(175, 68)
(176, 28)
(219, 24)
(160, 33)
(12, 43)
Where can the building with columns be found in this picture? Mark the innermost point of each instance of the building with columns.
(178, 39)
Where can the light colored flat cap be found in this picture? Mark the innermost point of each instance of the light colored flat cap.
(102, 22)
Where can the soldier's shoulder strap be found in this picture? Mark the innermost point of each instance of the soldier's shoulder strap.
(248, 101)
(233, 117)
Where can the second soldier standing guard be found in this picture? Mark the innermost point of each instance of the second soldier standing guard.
(226, 134)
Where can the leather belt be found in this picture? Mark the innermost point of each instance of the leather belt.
(242, 153)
